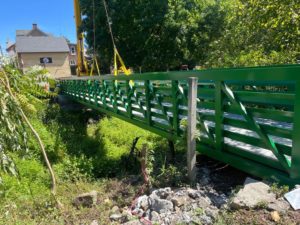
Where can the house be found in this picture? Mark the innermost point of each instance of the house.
(35, 47)
(73, 58)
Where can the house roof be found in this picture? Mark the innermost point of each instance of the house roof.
(22, 32)
(9, 44)
(26, 44)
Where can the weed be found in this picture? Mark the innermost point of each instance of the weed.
(199, 212)
(261, 205)
(278, 190)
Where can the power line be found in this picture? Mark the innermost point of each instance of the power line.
(109, 22)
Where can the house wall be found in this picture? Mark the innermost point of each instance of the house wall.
(58, 68)
(73, 58)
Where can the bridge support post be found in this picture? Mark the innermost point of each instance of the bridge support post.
(192, 127)
(295, 167)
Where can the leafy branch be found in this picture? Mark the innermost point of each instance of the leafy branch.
(14, 118)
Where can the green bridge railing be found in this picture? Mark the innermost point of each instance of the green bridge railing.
(248, 118)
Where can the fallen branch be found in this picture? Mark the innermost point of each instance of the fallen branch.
(133, 147)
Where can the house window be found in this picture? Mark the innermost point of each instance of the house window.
(72, 62)
(73, 50)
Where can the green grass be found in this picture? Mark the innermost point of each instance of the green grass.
(85, 156)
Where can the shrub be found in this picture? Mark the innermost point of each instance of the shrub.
(278, 190)
(32, 180)
(75, 169)
(116, 139)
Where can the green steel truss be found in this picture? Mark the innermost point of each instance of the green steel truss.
(248, 117)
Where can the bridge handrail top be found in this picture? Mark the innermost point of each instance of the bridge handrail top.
(264, 73)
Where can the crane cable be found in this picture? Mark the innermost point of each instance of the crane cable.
(95, 61)
(117, 56)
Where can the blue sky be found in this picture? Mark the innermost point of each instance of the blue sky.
(54, 16)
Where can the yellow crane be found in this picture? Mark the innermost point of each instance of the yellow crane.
(83, 68)
(82, 65)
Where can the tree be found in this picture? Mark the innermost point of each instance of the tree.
(16, 93)
(259, 33)
(157, 34)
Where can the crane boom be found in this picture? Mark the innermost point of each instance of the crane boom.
(82, 67)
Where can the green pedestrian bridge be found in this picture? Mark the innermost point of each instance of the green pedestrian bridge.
(248, 118)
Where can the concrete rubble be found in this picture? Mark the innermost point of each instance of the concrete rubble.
(86, 200)
(293, 197)
(257, 194)
(182, 205)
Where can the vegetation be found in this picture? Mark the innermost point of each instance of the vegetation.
(162, 35)
(90, 151)
(15, 90)
(278, 190)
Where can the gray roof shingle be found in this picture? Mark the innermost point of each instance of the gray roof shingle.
(22, 32)
(41, 44)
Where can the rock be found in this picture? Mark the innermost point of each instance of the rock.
(168, 207)
(179, 200)
(253, 193)
(161, 205)
(86, 199)
(194, 194)
(147, 214)
(138, 212)
(203, 202)
(205, 220)
(107, 201)
(212, 213)
(187, 208)
(133, 222)
(94, 222)
(115, 210)
(162, 193)
(177, 209)
(279, 205)
(293, 197)
(175, 218)
(154, 216)
(166, 220)
(196, 221)
(275, 216)
(116, 217)
(180, 192)
(186, 218)
(127, 215)
(218, 200)
(143, 202)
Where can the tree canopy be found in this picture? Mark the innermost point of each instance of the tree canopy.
(164, 34)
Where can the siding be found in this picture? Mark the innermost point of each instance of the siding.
(58, 68)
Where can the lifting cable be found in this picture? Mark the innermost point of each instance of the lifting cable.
(117, 56)
(95, 61)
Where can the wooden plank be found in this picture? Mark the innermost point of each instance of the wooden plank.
(191, 134)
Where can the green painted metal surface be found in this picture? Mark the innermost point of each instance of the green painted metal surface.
(248, 118)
